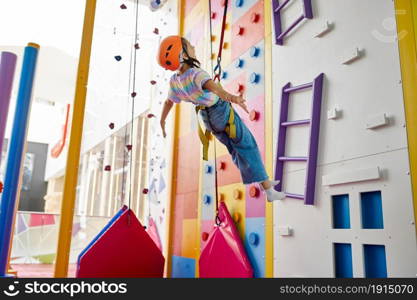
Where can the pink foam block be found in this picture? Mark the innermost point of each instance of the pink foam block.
(224, 255)
(152, 230)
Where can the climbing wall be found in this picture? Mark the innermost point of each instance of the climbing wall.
(113, 89)
(165, 23)
(244, 68)
(361, 223)
(184, 226)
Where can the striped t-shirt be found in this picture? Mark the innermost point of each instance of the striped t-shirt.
(189, 87)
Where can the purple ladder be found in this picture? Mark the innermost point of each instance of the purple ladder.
(277, 8)
(314, 122)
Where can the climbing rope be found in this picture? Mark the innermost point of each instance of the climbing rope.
(218, 68)
(133, 95)
(126, 150)
(217, 72)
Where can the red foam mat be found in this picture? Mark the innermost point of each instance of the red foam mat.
(123, 250)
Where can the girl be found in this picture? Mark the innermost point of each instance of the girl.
(192, 84)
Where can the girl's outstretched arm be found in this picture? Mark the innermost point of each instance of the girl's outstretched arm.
(219, 91)
(165, 111)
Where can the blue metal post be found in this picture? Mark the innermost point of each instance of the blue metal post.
(15, 156)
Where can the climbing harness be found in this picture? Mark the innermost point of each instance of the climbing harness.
(230, 126)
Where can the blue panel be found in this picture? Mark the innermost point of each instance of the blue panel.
(255, 244)
(208, 204)
(343, 260)
(375, 261)
(208, 174)
(371, 204)
(341, 215)
(183, 267)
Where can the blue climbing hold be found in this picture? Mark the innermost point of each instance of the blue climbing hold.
(239, 63)
(255, 51)
(239, 3)
(255, 78)
(253, 239)
(208, 169)
(206, 199)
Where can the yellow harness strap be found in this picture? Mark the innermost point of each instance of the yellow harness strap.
(205, 136)
(231, 127)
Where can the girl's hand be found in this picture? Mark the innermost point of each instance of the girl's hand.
(164, 134)
(239, 101)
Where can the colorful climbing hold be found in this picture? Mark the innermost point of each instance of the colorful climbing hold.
(129, 147)
(150, 116)
(111, 125)
(208, 169)
(153, 82)
(137, 46)
(156, 31)
(123, 6)
(204, 236)
(254, 191)
(107, 168)
(239, 63)
(255, 17)
(118, 58)
(254, 51)
(145, 191)
(253, 239)
(206, 199)
(133, 94)
(254, 115)
(237, 194)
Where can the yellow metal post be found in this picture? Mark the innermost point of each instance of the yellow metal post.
(407, 24)
(173, 167)
(71, 174)
(269, 212)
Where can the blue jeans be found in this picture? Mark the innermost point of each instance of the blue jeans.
(243, 148)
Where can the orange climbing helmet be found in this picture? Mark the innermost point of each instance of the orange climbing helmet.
(169, 52)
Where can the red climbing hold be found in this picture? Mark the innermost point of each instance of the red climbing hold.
(133, 95)
(204, 236)
(254, 192)
(129, 147)
(145, 191)
(123, 6)
(1, 187)
(111, 125)
(137, 46)
(156, 31)
(254, 115)
(151, 116)
(153, 82)
(107, 168)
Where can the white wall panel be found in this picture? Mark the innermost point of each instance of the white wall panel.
(367, 87)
